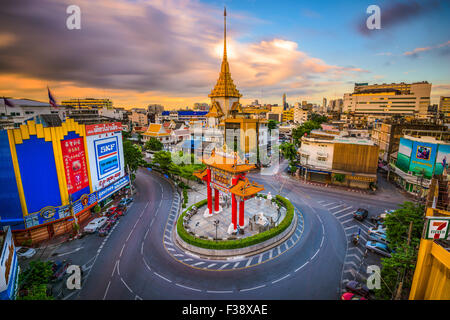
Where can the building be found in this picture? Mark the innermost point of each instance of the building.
(338, 159)
(288, 115)
(387, 135)
(431, 279)
(138, 117)
(9, 266)
(385, 100)
(201, 106)
(301, 114)
(418, 159)
(26, 109)
(444, 108)
(53, 176)
(156, 130)
(88, 103)
(285, 104)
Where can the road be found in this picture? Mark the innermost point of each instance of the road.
(138, 260)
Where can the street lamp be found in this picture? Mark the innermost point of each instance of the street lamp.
(216, 224)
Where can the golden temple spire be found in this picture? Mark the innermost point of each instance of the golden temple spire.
(225, 86)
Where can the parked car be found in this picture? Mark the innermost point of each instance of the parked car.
(59, 270)
(126, 201)
(379, 248)
(378, 237)
(358, 288)
(25, 252)
(106, 228)
(95, 224)
(114, 211)
(379, 230)
(360, 214)
(379, 219)
(351, 296)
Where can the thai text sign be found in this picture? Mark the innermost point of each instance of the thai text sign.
(74, 164)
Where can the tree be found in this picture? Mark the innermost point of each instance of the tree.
(272, 124)
(132, 155)
(163, 159)
(300, 131)
(288, 150)
(153, 144)
(315, 117)
(397, 224)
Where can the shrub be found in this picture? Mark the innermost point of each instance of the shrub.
(238, 243)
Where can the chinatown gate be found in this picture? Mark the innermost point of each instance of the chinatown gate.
(226, 173)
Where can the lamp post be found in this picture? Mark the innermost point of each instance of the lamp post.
(216, 224)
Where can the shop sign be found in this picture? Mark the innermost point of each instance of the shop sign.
(74, 164)
(437, 228)
(113, 187)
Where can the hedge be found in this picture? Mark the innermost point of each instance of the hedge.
(238, 243)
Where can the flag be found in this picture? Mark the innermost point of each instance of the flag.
(8, 103)
(51, 99)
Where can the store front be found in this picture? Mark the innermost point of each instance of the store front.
(9, 266)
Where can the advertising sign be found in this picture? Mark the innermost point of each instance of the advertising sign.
(442, 159)
(437, 228)
(8, 267)
(105, 151)
(423, 157)
(86, 201)
(74, 164)
(404, 154)
(104, 193)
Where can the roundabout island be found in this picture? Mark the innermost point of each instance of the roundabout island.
(212, 228)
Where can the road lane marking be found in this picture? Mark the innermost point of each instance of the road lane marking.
(211, 265)
(189, 288)
(164, 278)
(236, 264)
(107, 288)
(249, 262)
(345, 209)
(224, 266)
(123, 281)
(281, 278)
(198, 263)
(121, 251)
(340, 205)
(254, 288)
(225, 291)
(301, 266)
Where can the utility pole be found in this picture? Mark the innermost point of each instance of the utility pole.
(400, 286)
(129, 176)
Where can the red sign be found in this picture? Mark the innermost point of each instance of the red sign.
(74, 164)
(93, 129)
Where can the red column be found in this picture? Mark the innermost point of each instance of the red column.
(234, 211)
(241, 213)
(216, 200)
(209, 191)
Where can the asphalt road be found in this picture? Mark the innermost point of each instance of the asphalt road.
(136, 261)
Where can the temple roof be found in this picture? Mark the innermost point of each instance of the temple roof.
(225, 86)
(245, 188)
(227, 162)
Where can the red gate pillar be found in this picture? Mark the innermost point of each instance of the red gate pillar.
(216, 200)
(241, 214)
(234, 211)
(209, 191)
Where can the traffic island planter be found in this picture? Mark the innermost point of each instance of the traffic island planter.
(222, 249)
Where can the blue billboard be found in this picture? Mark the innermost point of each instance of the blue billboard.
(113, 187)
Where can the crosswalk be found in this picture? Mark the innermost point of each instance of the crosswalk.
(354, 258)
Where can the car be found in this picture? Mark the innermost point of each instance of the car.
(358, 288)
(380, 229)
(59, 270)
(106, 228)
(351, 296)
(360, 214)
(25, 252)
(126, 201)
(379, 248)
(378, 237)
(95, 224)
(114, 211)
(378, 219)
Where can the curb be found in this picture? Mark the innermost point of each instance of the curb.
(210, 254)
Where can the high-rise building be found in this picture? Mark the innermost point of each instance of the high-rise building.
(444, 108)
(87, 103)
(285, 104)
(385, 100)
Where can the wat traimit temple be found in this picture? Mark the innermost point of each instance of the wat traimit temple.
(226, 111)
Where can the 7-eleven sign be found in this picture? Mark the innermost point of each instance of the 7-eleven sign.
(437, 228)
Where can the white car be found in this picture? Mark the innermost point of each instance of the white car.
(25, 252)
(95, 224)
(377, 230)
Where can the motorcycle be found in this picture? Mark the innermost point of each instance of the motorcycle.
(355, 239)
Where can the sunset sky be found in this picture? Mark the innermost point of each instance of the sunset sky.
(169, 51)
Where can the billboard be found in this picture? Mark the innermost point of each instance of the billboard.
(404, 154)
(423, 157)
(9, 269)
(105, 151)
(442, 159)
(113, 187)
(75, 167)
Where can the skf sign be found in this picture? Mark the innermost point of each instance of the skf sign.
(437, 228)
